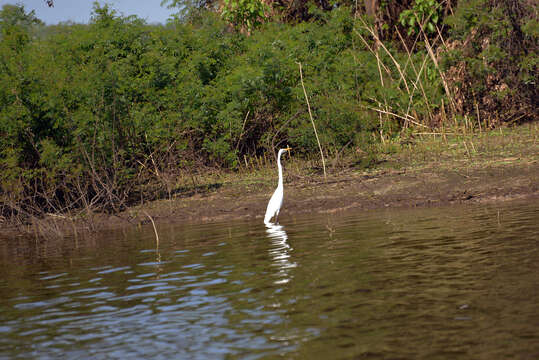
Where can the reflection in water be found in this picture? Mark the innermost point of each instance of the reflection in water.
(436, 283)
(280, 252)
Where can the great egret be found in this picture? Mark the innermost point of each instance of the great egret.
(276, 200)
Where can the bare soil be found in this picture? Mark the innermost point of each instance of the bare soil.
(427, 186)
(488, 169)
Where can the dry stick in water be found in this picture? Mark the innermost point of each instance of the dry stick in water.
(312, 121)
(154, 228)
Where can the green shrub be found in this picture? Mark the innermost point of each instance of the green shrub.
(107, 113)
(493, 61)
(424, 13)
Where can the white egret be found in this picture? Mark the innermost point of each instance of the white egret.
(274, 205)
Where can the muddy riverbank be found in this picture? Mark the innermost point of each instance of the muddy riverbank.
(497, 166)
(428, 186)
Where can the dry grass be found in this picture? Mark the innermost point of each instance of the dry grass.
(518, 144)
(451, 148)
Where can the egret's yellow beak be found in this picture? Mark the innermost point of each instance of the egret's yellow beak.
(288, 148)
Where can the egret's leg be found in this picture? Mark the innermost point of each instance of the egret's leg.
(276, 216)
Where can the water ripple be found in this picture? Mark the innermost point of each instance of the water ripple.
(409, 284)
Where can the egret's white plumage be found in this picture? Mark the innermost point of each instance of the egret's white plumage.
(274, 205)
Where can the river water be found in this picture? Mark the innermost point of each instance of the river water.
(456, 282)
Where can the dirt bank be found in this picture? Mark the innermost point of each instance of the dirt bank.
(427, 186)
(408, 187)
(493, 167)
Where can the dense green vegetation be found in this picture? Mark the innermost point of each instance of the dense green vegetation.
(98, 116)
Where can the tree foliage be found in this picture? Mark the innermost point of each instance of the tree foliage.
(104, 114)
(493, 58)
(92, 113)
(423, 14)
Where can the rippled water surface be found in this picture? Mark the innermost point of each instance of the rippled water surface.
(436, 283)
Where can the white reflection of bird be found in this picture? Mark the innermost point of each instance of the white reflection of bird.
(280, 252)
(276, 200)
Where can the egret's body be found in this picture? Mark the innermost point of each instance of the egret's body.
(276, 201)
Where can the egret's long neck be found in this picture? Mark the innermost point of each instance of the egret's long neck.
(280, 184)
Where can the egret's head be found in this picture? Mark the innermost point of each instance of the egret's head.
(282, 151)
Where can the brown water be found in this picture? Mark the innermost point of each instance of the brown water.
(437, 283)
